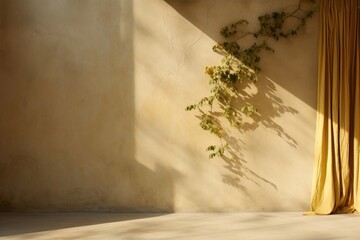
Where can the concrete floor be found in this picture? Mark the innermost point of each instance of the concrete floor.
(246, 226)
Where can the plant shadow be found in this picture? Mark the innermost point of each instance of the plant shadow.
(269, 107)
(263, 95)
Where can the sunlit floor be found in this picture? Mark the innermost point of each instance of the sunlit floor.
(245, 226)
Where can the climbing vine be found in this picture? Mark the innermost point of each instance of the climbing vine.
(240, 64)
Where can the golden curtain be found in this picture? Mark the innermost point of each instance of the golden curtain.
(336, 171)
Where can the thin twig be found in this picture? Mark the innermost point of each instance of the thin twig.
(245, 35)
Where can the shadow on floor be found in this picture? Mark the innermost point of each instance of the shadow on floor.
(202, 226)
(23, 223)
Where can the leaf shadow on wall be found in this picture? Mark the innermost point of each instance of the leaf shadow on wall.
(271, 107)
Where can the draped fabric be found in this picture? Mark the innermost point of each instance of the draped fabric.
(336, 172)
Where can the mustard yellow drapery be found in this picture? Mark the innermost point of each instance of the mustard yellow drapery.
(336, 172)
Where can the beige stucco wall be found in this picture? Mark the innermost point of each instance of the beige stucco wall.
(92, 98)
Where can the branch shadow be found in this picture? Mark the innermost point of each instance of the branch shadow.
(270, 107)
(236, 164)
(263, 94)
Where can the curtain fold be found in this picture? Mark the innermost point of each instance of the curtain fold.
(336, 171)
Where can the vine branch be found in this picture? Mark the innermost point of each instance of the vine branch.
(239, 65)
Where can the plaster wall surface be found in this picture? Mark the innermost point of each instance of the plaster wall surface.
(92, 99)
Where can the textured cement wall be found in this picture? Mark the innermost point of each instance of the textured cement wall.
(92, 98)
